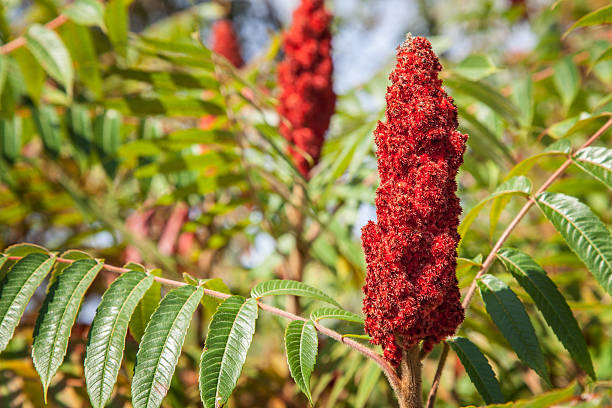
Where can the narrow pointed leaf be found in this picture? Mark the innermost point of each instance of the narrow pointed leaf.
(161, 345)
(86, 12)
(227, 344)
(301, 345)
(509, 315)
(57, 316)
(550, 302)
(107, 334)
(596, 161)
(519, 185)
(584, 233)
(335, 313)
(567, 80)
(49, 50)
(599, 16)
(48, 126)
(145, 308)
(480, 372)
(16, 289)
(279, 287)
(367, 383)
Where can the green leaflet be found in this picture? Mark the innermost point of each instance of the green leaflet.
(86, 12)
(335, 313)
(480, 372)
(509, 315)
(48, 126)
(301, 345)
(583, 231)
(485, 94)
(545, 400)
(17, 288)
(145, 308)
(107, 334)
(550, 302)
(49, 50)
(116, 20)
(57, 315)
(161, 345)
(10, 138)
(567, 80)
(229, 338)
(368, 381)
(519, 185)
(279, 287)
(599, 16)
(596, 161)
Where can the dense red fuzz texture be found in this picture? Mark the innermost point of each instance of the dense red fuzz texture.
(225, 42)
(307, 99)
(411, 291)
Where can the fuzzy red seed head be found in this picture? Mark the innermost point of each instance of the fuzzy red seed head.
(307, 98)
(225, 42)
(411, 291)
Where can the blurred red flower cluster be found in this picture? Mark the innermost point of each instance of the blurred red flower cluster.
(411, 291)
(225, 42)
(307, 98)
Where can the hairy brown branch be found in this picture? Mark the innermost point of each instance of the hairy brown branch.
(491, 257)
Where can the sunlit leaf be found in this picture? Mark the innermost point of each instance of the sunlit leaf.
(596, 161)
(228, 341)
(161, 345)
(583, 231)
(280, 287)
(301, 347)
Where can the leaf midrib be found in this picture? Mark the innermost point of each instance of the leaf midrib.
(62, 319)
(165, 341)
(543, 296)
(107, 348)
(581, 232)
(225, 347)
(52, 258)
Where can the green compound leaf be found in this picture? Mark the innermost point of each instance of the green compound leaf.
(51, 53)
(519, 185)
(583, 231)
(57, 316)
(301, 344)
(227, 344)
(161, 345)
(17, 288)
(509, 315)
(480, 372)
(107, 334)
(145, 308)
(335, 313)
(550, 302)
(280, 287)
(596, 161)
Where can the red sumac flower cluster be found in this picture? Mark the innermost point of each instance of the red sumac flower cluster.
(411, 291)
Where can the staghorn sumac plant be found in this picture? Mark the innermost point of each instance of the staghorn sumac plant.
(100, 149)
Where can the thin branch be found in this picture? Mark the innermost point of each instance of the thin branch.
(21, 41)
(491, 257)
(366, 351)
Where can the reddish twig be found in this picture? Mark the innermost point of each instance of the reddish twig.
(491, 257)
(21, 41)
